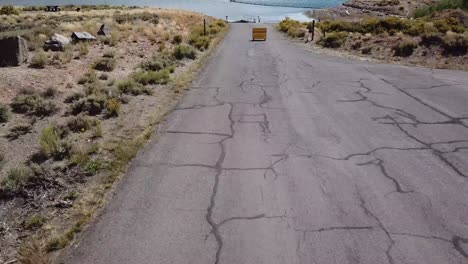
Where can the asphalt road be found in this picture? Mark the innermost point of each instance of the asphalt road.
(280, 155)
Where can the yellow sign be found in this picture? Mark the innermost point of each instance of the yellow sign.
(259, 34)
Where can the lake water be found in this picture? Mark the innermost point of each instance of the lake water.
(217, 8)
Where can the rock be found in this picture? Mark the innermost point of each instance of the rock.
(104, 31)
(13, 51)
(57, 43)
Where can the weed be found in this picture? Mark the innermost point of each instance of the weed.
(4, 113)
(39, 60)
(105, 64)
(32, 253)
(18, 131)
(184, 51)
(83, 48)
(405, 48)
(35, 222)
(16, 179)
(89, 77)
(151, 77)
(50, 92)
(113, 107)
(51, 143)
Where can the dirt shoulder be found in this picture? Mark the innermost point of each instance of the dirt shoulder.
(74, 119)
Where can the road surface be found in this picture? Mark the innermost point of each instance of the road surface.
(279, 155)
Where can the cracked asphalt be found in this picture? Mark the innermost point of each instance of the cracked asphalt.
(281, 155)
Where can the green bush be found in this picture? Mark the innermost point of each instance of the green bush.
(456, 44)
(113, 107)
(51, 143)
(9, 10)
(16, 179)
(105, 64)
(184, 51)
(152, 77)
(4, 114)
(334, 40)
(406, 48)
(39, 60)
(200, 42)
(221, 23)
(82, 123)
(419, 28)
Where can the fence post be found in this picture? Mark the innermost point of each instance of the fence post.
(313, 29)
(204, 27)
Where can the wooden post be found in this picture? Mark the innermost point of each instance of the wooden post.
(204, 27)
(313, 29)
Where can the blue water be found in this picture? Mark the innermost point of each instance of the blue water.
(216, 8)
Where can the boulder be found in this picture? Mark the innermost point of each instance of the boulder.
(13, 51)
(56, 43)
(104, 31)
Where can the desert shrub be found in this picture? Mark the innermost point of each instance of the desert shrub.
(145, 16)
(83, 48)
(105, 64)
(16, 179)
(104, 77)
(92, 105)
(449, 24)
(152, 77)
(200, 42)
(419, 28)
(74, 97)
(50, 92)
(456, 44)
(51, 143)
(286, 24)
(130, 86)
(18, 131)
(9, 10)
(4, 113)
(213, 29)
(82, 123)
(220, 23)
(113, 107)
(406, 48)
(334, 40)
(157, 63)
(89, 77)
(394, 23)
(39, 60)
(33, 104)
(35, 222)
(177, 39)
(184, 51)
(430, 39)
(439, 6)
(109, 54)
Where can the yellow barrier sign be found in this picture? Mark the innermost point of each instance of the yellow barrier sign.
(259, 34)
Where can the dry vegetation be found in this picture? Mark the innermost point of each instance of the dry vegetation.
(438, 40)
(71, 121)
